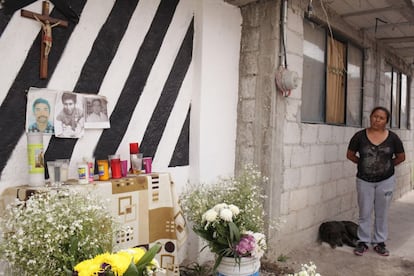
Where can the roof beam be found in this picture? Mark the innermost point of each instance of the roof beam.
(372, 11)
(390, 25)
(398, 39)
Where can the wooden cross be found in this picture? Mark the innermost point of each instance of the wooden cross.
(47, 24)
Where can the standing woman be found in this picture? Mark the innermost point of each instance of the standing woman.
(377, 151)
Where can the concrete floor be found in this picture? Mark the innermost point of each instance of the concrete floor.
(401, 227)
(341, 261)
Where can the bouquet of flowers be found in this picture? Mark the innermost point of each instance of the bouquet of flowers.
(224, 232)
(54, 230)
(229, 214)
(129, 262)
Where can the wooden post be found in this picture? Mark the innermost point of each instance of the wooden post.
(47, 24)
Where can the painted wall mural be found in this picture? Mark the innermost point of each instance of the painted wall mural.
(136, 53)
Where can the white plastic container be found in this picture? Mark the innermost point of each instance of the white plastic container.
(83, 173)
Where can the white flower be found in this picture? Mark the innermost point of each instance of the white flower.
(234, 209)
(210, 215)
(307, 270)
(226, 214)
(220, 206)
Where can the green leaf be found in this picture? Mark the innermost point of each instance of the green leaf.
(132, 269)
(68, 272)
(147, 258)
(218, 261)
(234, 232)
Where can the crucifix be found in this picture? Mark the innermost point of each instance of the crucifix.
(47, 23)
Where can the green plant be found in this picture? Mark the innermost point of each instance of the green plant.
(55, 230)
(195, 269)
(229, 214)
(282, 258)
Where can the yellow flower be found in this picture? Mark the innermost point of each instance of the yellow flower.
(88, 267)
(119, 262)
(101, 257)
(137, 253)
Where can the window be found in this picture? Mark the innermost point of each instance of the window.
(354, 86)
(404, 102)
(332, 78)
(396, 83)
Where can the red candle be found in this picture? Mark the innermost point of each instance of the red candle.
(133, 148)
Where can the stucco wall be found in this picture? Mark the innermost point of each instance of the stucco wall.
(209, 87)
(206, 98)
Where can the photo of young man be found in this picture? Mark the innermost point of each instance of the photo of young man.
(69, 122)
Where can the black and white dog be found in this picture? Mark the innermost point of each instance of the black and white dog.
(338, 233)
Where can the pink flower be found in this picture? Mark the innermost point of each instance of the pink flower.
(246, 245)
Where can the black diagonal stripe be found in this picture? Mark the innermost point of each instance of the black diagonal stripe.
(10, 6)
(13, 108)
(105, 46)
(181, 155)
(4, 20)
(96, 66)
(130, 94)
(169, 94)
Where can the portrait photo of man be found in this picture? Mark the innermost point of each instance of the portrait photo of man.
(39, 111)
(69, 121)
(97, 111)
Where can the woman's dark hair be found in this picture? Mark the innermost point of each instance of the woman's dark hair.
(382, 109)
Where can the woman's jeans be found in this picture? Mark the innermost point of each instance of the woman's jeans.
(375, 196)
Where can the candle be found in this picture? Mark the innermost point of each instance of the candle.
(103, 169)
(115, 161)
(35, 159)
(133, 148)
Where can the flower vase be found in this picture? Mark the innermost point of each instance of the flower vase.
(249, 266)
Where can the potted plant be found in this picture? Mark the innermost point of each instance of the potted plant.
(229, 216)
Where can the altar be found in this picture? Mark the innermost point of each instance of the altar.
(146, 205)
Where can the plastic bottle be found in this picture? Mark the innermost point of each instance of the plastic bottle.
(83, 173)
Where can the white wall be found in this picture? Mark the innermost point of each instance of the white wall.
(213, 125)
(211, 84)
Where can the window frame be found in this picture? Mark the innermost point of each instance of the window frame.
(348, 43)
(398, 99)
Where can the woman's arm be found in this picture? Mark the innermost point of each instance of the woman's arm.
(351, 155)
(399, 158)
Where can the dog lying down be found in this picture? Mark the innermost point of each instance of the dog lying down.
(338, 233)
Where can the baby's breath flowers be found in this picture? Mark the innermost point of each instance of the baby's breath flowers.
(307, 270)
(52, 231)
(246, 191)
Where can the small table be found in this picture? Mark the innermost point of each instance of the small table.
(146, 205)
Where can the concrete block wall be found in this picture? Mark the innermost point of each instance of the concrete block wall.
(318, 182)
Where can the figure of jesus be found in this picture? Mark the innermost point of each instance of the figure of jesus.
(47, 34)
